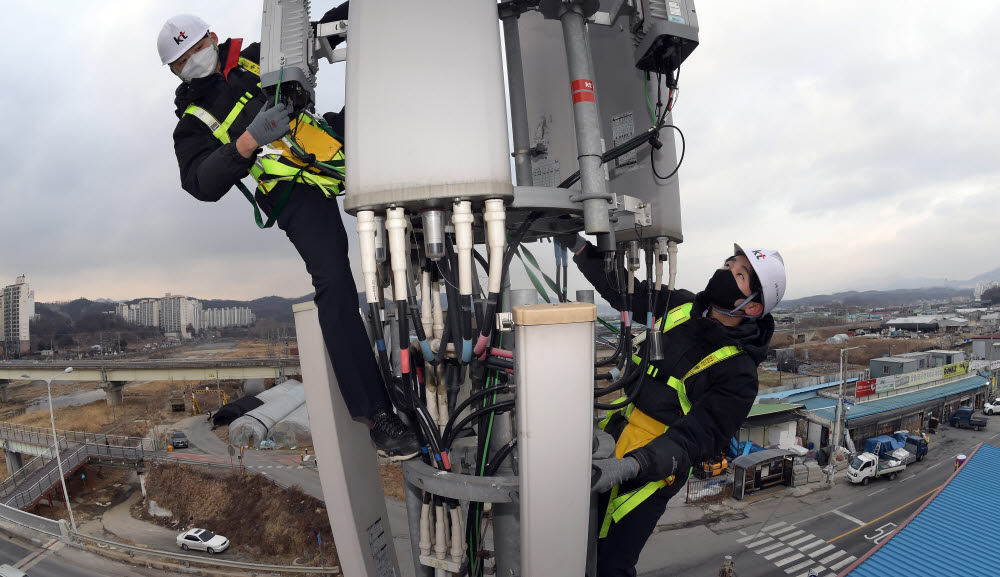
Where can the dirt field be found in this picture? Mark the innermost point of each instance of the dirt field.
(261, 520)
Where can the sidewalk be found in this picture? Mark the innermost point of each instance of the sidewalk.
(119, 522)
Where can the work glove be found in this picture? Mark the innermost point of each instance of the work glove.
(574, 242)
(612, 471)
(271, 123)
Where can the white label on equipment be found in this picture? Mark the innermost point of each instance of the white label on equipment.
(545, 173)
(675, 8)
(380, 550)
(622, 130)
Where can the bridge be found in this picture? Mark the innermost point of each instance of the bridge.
(114, 375)
(32, 481)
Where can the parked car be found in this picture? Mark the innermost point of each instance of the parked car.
(202, 540)
(8, 571)
(178, 440)
(963, 417)
(992, 406)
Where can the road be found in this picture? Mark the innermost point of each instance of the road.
(825, 530)
(54, 559)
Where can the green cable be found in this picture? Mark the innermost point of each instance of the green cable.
(277, 91)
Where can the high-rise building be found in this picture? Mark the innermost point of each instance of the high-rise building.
(16, 317)
(227, 317)
(177, 313)
(983, 286)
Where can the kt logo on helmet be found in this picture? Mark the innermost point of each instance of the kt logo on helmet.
(181, 37)
(759, 255)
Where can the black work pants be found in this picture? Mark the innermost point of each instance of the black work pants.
(314, 225)
(618, 553)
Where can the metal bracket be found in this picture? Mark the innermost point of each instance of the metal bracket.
(324, 32)
(554, 9)
(461, 487)
(505, 322)
(630, 212)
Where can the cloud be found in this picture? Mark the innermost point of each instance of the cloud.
(860, 144)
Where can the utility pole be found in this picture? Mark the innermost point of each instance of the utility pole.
(840, 422)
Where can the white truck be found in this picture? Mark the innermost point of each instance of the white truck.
(868, 466)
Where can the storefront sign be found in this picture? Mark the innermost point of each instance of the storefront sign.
(885, 384)
(956, 369)
(994, 365)
(865, 388)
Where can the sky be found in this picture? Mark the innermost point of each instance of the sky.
(862, 144)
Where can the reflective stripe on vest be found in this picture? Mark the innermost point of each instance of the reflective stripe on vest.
(621, 505)
(268, 171)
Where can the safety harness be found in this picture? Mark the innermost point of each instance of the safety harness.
(267, 170)
(642, 428)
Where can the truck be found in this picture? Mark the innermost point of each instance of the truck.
(868, 466)
(963, 417)
(915, 444)
(886, 447)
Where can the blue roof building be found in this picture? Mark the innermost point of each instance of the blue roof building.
(930, 542)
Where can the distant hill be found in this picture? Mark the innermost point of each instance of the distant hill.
(888, 298)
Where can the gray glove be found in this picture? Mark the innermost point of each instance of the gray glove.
(573, 242)
(270, 124)
(612, 471)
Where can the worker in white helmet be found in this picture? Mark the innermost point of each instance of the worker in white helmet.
(223, 122)
(688, 405)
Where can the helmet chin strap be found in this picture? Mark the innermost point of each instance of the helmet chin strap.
(739, 307)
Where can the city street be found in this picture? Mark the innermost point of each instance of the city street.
(825, 530)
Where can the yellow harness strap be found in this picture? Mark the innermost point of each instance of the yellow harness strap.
(642, 428)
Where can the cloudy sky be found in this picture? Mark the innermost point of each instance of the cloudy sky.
(863, 144)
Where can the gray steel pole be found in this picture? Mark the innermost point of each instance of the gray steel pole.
(595, 195)
(518, 106)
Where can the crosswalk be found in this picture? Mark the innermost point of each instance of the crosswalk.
(797, 552)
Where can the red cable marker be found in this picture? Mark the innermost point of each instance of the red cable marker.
(583, 91)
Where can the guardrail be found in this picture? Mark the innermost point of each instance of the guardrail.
(43, 436)
(332, 570)
(54, 529)
(34, 522)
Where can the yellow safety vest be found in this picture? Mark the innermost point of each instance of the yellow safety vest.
(267, 170)
(642, 428)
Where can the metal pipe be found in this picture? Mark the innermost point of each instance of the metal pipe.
(587, 121)
(518, 104)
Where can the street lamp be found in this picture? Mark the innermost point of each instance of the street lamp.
(838, 426)
(55, 440)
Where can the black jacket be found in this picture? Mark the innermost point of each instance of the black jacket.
(721, 396)
(208, 168)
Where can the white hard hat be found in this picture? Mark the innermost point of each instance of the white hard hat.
(770, 270)
(178, 35)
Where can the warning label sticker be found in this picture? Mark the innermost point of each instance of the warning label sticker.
(545, 173)
(622, 130)
(380, 550)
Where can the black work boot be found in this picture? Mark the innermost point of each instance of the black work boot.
(393, 439)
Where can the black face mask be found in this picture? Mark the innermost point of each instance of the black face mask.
(723, 291)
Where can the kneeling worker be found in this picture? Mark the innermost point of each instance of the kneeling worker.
(222, 125)
(692, 402)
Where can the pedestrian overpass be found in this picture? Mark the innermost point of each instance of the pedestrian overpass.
(37, 478)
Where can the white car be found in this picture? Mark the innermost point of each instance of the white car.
(202, 540)
(992, 407)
